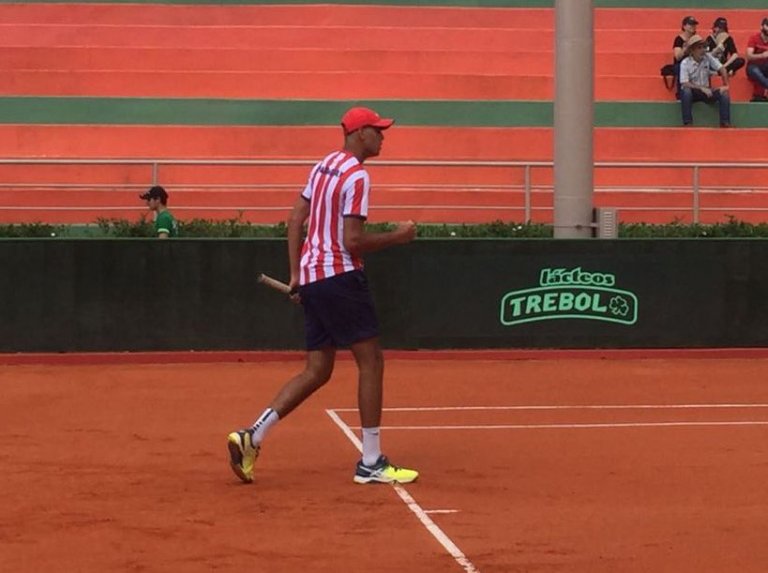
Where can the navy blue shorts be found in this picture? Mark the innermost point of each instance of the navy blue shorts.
(338, 311)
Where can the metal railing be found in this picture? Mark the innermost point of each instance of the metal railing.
(522, 179)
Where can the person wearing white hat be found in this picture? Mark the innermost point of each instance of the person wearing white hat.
(695, 82)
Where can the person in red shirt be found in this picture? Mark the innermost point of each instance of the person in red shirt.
(757, 62)
(328, 279)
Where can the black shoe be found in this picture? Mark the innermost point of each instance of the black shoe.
(725, 124)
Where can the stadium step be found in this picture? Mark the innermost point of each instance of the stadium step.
(135, 43)
(517, 63)
(273, 15)
(403, 142)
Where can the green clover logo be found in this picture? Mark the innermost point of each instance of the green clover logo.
(618, 306)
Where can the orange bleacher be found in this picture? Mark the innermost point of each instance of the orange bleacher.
(428, 186)
(244, 51)
(337, 52)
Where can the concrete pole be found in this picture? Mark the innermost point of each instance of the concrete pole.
(574, 114)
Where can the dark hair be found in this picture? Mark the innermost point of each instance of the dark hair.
(156, 192)
(688, 20)
(720, 23)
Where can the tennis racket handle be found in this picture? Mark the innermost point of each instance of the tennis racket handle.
(274, 283)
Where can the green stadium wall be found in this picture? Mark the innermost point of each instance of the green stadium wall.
(234, 112)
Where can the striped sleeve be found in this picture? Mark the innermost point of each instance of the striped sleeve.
(307, 193)
(356, 190)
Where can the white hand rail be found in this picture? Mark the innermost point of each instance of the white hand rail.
(528, 187)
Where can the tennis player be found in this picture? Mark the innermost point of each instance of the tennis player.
(327, 278)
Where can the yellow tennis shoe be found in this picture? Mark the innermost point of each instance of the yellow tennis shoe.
(242, 454)
(383, 472)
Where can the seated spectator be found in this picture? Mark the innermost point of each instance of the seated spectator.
(721, 45)
(679, 50)
(695, 82)
(757, 62)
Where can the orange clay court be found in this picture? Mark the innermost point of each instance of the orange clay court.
(550, 465)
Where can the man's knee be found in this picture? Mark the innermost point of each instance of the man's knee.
(319, 374)
(369, 356)
(373, 360)
(319, 367)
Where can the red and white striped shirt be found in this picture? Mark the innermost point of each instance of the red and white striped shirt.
(338, 187)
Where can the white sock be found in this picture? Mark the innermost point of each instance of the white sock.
(371, 446)
(262, 425)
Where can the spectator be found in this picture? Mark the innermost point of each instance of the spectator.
(757, 62)
(721, 45)
(679, 52)
(695, 84)
(157, 202)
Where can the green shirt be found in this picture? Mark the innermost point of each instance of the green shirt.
(165, 223)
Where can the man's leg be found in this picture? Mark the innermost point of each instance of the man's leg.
(759, 81)
(317, 372)
(724, 101)
(686, 104)
(370, 365)
(244, 444)
(373, 467)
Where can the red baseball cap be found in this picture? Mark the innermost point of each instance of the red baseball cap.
(358, 117)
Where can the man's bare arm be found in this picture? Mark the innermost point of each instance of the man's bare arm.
(358, 241)
(296, 221)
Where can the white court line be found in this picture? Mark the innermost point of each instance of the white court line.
(573, 426)
(431, 526)
(564, 407)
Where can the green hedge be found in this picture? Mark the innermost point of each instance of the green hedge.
(236, 228)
